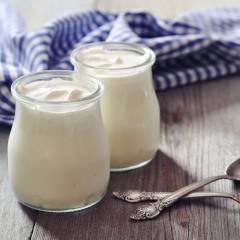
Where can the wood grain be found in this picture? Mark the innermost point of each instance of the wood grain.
(200, 135)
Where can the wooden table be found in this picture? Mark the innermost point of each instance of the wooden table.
(200, 136)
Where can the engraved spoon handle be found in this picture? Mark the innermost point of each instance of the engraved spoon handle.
(167, 201)
(134, 196)
(152, 210)
(235, 197)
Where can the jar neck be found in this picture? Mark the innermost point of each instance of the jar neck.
(113, 74)
(56, 108)
(55, 121)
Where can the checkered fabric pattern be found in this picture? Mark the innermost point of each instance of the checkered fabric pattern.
(196, 46)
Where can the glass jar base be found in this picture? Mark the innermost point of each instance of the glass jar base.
(81, 207)
(133, 166)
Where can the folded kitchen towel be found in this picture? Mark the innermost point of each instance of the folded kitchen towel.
(196, 46)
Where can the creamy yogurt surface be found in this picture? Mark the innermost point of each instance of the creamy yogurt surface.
(103, 57)
(55, 89)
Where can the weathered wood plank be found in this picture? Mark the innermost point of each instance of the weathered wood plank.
(200, 136)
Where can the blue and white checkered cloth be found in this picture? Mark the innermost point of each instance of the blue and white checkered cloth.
(193, 47)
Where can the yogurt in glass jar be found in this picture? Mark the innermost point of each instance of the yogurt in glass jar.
(58, 152)
(129, 104)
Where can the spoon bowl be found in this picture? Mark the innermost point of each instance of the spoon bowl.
(233, 170)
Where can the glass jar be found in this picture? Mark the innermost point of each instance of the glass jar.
(129, 104)
(58, 152)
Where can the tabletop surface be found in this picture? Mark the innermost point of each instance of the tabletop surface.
(200, 136)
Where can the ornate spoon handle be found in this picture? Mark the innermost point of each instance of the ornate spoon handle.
(152, 210)
(134, 196)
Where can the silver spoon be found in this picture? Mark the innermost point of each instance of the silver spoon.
(152, 210)
(134, 196)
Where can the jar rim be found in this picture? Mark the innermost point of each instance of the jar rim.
(50, 74)
(124, 46)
